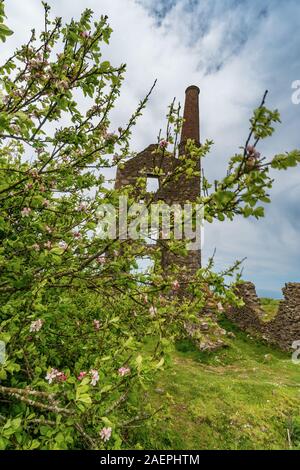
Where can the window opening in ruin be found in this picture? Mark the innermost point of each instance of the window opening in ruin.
(152, 184)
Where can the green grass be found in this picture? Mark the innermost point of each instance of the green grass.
(242, 397)
(270, 306)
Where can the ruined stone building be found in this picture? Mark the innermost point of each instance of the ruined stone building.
(283, 330)
(184, 189)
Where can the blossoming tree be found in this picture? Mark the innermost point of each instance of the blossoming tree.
(84, 335)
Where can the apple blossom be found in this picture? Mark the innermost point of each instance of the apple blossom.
(105, 434)
(35, 326)
(55, 375)
(124, 371)
(26, 212)
(95, 377)
(152, 311)
(97, 324)
(176, 285)
(85, 34)
(81, 375)
(163, 144)
(63, 245)
(109, 136)
(250, 149)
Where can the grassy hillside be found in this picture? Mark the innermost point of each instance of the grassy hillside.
(242, 397)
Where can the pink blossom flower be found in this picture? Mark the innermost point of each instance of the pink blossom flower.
(48, 229)
(101, 260)
(163, 144)
(176, 285)
(36, 247)
(48, 245)
(29, 186)
(97, 324)
(26, 212)
(105, 434)
(152, 311)
(35, 326)
(124, 371)
(95, 377)
(46, 203)
(81, 375)
(61, 377)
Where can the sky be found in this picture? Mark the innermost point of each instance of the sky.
(233, 50)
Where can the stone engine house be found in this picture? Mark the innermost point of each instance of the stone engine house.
(179, 192)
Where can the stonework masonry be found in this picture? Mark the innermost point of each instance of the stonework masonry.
(283, 330)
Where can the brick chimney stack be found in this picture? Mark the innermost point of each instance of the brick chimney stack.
(191, 125)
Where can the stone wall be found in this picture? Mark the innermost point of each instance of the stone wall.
(283, 330)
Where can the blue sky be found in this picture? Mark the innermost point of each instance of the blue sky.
(233, 50)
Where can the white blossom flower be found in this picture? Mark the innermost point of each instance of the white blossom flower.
(51, 375)
(63, 245)
(95, 377)
(152, 311)
(35, 326)
(55, 374)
